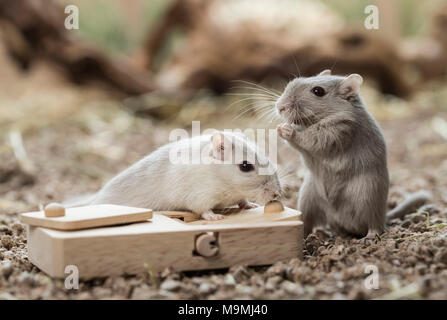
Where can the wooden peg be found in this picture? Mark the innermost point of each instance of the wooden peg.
(206, 245)
(273, 206)
(54, 210)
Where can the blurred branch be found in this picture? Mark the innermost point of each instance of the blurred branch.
(35, 30)
(389, 19)
(16, 142)
(216, 52)
(180, 13)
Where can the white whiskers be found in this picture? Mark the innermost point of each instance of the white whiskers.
(260, 99)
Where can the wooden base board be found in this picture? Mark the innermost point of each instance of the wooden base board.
(236, 215)
(255, 215)
(163, 242)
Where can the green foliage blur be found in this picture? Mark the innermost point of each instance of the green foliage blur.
(120, 26)
(116, 25)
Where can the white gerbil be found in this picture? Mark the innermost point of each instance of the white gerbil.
(222, 178)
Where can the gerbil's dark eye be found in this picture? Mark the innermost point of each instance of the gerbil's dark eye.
(318, 91)
(246, 167)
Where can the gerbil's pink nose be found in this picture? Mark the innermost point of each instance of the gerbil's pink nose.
(283, 106)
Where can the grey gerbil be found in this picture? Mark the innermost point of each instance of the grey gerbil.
(218, 180)
(342, 146)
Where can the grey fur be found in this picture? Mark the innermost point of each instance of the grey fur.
(342, 146)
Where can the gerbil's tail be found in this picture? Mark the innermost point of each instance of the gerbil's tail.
(409, 205)
(79, 201)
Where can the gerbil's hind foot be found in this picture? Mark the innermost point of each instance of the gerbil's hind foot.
(244, 204)
(373, 236)
(211, 216)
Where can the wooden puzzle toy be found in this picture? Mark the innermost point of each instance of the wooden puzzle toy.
(106, 240)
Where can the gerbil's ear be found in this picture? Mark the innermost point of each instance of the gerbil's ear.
(351, 84)
(326, 72)
(221, 146)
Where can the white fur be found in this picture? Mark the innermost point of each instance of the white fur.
(154, 182)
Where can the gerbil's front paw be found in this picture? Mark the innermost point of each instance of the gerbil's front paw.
(211, 216)
(247, 205)
(285, 131)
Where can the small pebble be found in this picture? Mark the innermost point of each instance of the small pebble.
(229, 280)
(6, 268)
(406, 224)
(418, 218)
(6, 241)
(18, 227)
(6, 230)
(292, 288)
(239, 273)
(272, 283)
(396, 262)
(170, 285)
(441, 255)
(25, 278)
(206, 288)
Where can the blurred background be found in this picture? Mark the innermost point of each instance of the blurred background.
(77, 106)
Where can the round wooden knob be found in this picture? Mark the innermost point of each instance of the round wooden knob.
(273, 206)
(206, 245)
(54, 209)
